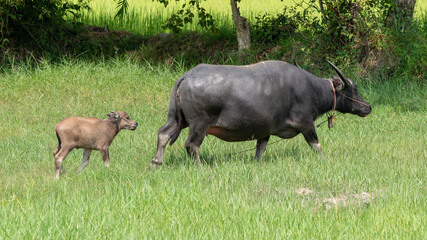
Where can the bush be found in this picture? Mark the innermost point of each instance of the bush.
(269, 29)
(410, 49)
(39, 25)
(372, 34)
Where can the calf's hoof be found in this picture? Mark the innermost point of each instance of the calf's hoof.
(58, 172)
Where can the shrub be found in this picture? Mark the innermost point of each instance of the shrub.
(269, 29)
(38, 24)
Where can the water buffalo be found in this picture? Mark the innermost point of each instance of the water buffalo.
(240, 103)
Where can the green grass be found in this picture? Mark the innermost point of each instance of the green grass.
(147, 17)
(233, 196)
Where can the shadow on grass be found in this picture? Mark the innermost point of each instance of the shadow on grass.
(289, 153)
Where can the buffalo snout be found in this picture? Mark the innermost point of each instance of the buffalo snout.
(366, 110)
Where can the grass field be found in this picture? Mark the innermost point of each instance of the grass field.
(370, 183)
(147, 17)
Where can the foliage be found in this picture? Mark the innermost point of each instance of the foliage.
(183, 16)
(408, 49)
(343, 24)
(269, 29)
(122, 5)
(186, 15)
(365, 33)
(375, 41)
(38, 24)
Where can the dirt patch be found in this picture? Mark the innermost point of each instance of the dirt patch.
(358, 200)
(304, 191)
(362, 199)
(329, 203)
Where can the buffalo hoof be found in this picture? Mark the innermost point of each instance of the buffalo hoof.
(154, 164)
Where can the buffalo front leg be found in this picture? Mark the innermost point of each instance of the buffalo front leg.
(310, 136)
(164, 135)
(261, 144)
(85, 160)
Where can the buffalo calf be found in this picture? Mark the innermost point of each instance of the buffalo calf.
(90, 134)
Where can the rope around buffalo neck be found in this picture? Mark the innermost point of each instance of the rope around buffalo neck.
(331, 115)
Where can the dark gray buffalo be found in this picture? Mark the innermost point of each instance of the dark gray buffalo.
(240, 103)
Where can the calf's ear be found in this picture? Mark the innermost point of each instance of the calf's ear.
(113, 115)
(338, 83)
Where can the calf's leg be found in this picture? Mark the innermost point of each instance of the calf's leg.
(59, 157)
(85, 160)
(105, 156)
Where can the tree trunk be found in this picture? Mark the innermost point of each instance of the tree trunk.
(243, 27)
(407, 6)
(401, 14)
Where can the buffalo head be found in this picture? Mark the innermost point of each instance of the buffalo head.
(348, 99)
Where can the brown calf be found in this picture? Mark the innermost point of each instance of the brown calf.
(90, 134)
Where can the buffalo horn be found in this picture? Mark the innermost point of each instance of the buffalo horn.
(345, 80)
(296, 64)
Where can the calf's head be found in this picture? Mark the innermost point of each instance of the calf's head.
(348, 99)
(122, 120)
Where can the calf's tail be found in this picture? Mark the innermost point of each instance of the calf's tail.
(59, 145)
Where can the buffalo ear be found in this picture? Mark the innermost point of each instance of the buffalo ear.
(113, 115)
(338, 83)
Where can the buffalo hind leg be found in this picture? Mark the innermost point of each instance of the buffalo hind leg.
(164, 135)
(194, 140)
(261, 144)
